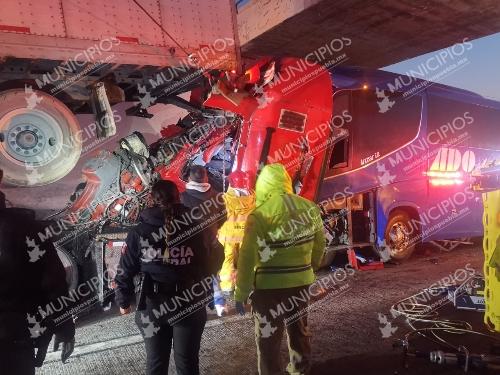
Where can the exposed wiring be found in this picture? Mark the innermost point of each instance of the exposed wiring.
(455, 330)
(421, 313)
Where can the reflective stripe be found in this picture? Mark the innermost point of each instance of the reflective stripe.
(291, 242)
(289, 203)
(234, 239)
(277, 269)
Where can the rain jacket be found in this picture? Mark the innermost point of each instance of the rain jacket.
(231, 233)
(284, 239)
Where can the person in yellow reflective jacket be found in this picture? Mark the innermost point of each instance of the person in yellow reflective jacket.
(240, 201)
(282, 245)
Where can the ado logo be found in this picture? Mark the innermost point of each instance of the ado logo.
(452, 160)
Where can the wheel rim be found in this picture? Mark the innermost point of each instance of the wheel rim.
(32, 137)
(40, 142)
(399, 238)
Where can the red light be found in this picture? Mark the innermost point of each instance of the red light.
(446, 181)
(445, 178)
(444, 174)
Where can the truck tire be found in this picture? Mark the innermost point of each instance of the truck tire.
(400, 236)
(40, 140)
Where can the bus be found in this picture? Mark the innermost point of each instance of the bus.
(405, 165)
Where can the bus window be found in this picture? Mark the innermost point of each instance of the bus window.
(453, 122)
(340, 154)
(341, 103)
(379, 129)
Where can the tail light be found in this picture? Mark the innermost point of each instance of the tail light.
(445, 178)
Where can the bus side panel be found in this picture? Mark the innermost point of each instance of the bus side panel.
(456, 211)
(462, 134)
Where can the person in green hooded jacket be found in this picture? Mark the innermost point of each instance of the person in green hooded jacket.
(283, 244)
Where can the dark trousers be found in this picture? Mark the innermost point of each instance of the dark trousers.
(274, 311)
(159, 336)
(17, 358)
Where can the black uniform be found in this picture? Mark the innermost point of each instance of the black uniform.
(211, 210)
(176, 266)
(31, 275)
(207, 206)
(2, 200)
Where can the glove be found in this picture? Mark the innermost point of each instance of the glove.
(65, 335)
(125, 311)
(240, 308)
(41, 343)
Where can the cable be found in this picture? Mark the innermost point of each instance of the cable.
(466, 331)
(416, 313)
(161, 27)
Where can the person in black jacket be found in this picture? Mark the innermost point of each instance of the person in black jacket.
(199, 195)
(169, 251)
(31, 277)
(2, 195)
(210, 208)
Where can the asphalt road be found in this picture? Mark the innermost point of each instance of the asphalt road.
(348, 326)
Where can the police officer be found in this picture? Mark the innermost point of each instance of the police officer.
(282, 245)
(209, 207)
(31, 277)
(175, 267)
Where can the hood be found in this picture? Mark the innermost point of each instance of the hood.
(153, 216)
(237, 204)
(273, 179)
(200, 195)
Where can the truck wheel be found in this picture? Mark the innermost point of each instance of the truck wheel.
(70, 267)
(40, 140)
(400, 235)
